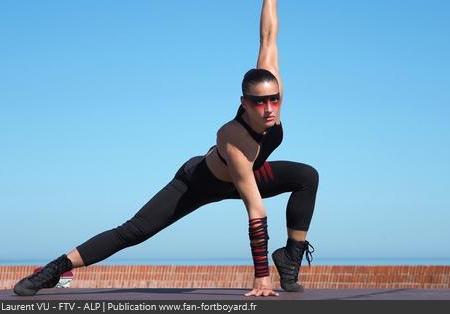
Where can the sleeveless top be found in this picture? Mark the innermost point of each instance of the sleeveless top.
(268, 141)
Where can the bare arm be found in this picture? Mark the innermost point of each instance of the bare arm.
(240, 168)
(268, 50)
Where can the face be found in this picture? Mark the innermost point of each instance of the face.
(262, 104)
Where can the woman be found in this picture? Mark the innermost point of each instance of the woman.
(235, 168)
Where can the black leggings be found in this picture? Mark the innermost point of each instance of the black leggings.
(193, 186)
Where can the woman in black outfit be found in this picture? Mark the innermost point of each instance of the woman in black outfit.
(235, 168)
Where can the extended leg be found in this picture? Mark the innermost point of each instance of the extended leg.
(149, 220)
(167, 206)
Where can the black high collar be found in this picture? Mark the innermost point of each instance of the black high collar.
(258, 137)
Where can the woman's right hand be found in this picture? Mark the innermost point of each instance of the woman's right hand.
(262, 286)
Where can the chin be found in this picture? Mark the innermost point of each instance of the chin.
(269, 124)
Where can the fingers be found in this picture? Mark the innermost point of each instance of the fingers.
(253, 292)
(268, 293)
(262, 292)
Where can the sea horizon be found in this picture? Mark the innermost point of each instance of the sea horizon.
(246, 261)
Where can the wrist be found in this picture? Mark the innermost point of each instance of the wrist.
(259, 237)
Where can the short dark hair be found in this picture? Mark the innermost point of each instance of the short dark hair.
(256, 76)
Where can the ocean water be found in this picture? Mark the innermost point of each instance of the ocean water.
(240, 261)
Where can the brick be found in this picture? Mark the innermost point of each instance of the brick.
(241, 276)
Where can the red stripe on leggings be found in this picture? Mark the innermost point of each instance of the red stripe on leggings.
(264, 174)
(269, 170)
(257, 175)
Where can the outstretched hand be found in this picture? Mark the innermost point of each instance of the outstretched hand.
(262, 287)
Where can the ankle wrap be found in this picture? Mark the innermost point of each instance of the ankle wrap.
(296, 250)
(63, 264)
(259, 237)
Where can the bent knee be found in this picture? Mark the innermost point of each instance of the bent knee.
(313, 176)
(306, 177)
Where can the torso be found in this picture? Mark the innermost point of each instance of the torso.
(218, 169)
(258, 151)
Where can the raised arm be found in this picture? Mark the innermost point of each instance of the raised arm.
(268, 50)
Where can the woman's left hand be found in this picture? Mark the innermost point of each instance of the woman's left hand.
(262, 286)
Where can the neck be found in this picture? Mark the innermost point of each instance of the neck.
(257, 129)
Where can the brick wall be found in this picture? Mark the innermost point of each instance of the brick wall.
(174, 276)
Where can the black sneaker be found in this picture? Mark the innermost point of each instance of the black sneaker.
(287, 260)
(47, 277)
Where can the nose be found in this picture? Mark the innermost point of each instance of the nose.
(268, 106)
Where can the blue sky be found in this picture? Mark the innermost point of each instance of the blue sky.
(102, 101)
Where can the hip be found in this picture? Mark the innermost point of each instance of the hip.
(196, 174)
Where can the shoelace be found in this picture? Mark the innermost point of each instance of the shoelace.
(289, 273)
(308, 252)
(45, 274)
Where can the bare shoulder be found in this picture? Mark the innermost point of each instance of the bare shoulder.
(232, 138)
(233, 133)
(228, 132)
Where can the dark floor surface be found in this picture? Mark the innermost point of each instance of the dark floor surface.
(228, 294)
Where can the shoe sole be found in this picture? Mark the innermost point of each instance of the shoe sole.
(24, 291)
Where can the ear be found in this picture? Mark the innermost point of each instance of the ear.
(243, 102)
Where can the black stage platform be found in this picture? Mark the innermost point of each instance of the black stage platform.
(228, 294)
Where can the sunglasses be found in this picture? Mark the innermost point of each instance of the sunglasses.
(263, 99)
